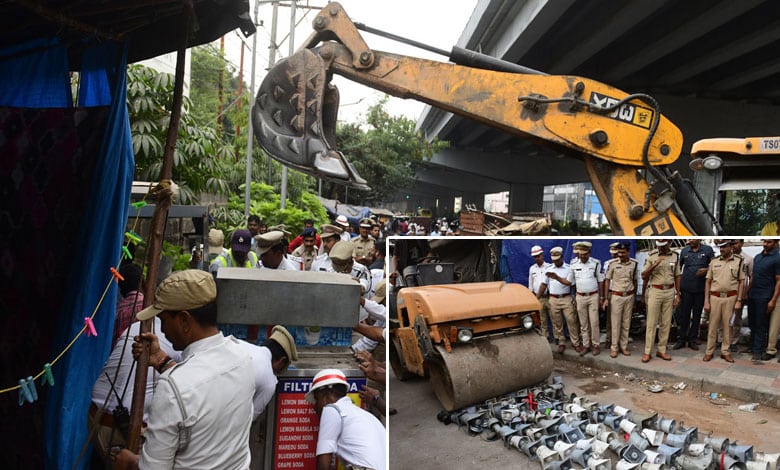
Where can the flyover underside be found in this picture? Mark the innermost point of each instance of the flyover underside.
(502, 162)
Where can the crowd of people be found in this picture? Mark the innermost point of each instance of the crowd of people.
(206, 391)
(690, 283)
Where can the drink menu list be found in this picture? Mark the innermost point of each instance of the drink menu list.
(297, 423)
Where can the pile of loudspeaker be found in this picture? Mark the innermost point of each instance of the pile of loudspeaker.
(563, 432)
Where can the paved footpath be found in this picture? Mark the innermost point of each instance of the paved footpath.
(743, 379)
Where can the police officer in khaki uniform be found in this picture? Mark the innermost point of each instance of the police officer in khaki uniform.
(363, 244)
(661, 294)
(588, 279)
(608, 316)
(554, 282)
(722, 296)
(535, 276)
(620, 288)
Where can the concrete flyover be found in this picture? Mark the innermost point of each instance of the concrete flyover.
(712, 66)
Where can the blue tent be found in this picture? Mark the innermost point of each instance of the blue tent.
(66, 172)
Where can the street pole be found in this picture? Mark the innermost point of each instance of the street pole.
(271, 62)
(291, 44)
(249, 132)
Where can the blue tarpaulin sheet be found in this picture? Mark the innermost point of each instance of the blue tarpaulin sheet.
(516, 256)
(41, 80)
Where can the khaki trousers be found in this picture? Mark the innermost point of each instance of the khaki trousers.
(721, 309)
(660, 305)
(774, 330)
(560, 309)
(588, 315)
(620, 309)
(544, 314)
(104, 437)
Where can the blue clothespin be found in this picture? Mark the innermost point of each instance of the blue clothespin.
(48, 377)
(24, 392)
(31, 388)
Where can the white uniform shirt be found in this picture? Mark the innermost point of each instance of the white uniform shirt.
(345, 236)
(536, 275)
(265, 380)
(121, 358)
(215, 382)
(322, 263)
(285, 265)
(586, 276)
(376, 312)
(363, 275)
(354, 434)
(554, 287)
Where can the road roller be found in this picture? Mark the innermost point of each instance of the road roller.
(474, 341)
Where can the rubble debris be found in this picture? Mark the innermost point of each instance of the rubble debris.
(655, 387)
(748, 407)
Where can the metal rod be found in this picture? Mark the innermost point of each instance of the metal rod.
(401, 39)
(249, 131)
(291, 44)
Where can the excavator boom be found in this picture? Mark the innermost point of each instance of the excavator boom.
(624, 141)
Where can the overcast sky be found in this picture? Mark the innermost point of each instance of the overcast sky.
(438, 23)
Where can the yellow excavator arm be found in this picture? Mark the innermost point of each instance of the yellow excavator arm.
(624, 141)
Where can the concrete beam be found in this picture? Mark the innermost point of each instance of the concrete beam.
(614, 26)
(538, 165)
(674, 40)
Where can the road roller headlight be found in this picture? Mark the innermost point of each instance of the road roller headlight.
(528, 322)
(465, 335)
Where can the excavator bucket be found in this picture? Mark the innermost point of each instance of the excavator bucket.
(294, 119)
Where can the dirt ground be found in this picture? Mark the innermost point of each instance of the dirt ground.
(719, 416)
(418, 440)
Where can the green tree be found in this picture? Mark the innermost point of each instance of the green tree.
(746, 211)
(200, 161)
(386, 154)
(265, 203)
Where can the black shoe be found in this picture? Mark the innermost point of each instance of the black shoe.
(767, 357)
(679, 345)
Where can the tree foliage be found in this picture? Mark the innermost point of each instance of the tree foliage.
(265, 202)
(200, 161)
(386, 154)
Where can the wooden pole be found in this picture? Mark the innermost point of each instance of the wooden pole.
(159, 218)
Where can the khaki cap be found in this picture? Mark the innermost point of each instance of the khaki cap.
(216, 240)
(556, 252)
(366, 222)
(268, 240)
(182, 290)
(380, 292)
(341, 252)
(281, 228)
(285, 340)
(328, 230)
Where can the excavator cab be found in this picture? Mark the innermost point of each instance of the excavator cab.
(739, 180)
